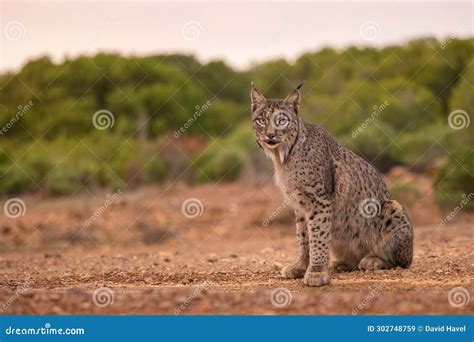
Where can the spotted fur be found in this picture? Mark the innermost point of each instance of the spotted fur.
(342, 207)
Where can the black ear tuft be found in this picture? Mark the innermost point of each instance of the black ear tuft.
(300, 85)
(293, 99)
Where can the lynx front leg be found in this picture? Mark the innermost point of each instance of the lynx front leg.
(319, 226)
(298, 268)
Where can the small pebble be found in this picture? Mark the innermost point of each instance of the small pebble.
(277, 266)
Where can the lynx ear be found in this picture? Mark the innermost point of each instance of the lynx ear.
(293, 99)
(256, 97)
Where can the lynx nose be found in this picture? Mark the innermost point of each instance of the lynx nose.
(270, 135)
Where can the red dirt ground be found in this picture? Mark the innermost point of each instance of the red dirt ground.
(154, 260)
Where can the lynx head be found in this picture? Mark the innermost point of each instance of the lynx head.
(276, 123)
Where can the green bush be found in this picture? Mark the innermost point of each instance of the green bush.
(64, 180)
(155, 170)
(374, 144)
(25, 173)
(454, 178)
(223, 165)
(420, 149)
(14, 179)
(66, 165)
(223, 158)
(402, 94)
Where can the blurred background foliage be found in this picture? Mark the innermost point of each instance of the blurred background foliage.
(55, 148)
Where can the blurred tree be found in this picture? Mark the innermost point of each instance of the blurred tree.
(391, 104)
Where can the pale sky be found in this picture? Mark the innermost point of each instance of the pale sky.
(240, 33)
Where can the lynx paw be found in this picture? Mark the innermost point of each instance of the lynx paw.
(316, 278)
(373, 263)
(293, 271)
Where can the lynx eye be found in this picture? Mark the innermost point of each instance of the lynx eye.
(261, 121)
(282, 121)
